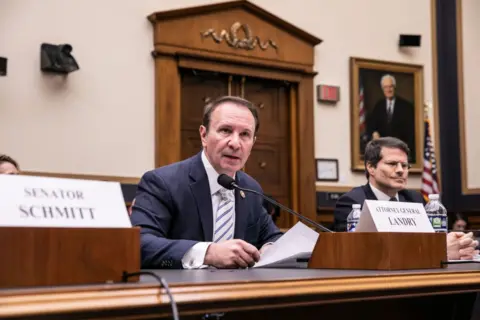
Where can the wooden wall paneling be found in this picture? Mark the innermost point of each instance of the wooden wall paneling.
(167, 111)
(306, 153)
(240, 69)
(294, 144)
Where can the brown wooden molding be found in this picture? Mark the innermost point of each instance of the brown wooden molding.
(340, 189)
(294, 181)
(344, 189)
(231, 5)
(242, 70)
(200, 299)
(124, 180)
(219, 57)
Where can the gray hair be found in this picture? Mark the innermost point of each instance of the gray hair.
(388, 76)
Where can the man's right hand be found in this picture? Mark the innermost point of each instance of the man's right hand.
(231, 254)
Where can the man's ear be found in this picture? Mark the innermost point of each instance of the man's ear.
(254, 140)
(370, 168)
(203, 135)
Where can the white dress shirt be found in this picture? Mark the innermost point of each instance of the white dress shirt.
(380, 195)
(195, 257)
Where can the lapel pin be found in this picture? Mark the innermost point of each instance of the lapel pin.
(242, 194)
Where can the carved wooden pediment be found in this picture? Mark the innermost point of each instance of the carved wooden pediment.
(237, 28)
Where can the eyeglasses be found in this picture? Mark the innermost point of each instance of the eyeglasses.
(394, 164)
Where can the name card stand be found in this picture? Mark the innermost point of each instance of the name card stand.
(379, 251)
(33, 256)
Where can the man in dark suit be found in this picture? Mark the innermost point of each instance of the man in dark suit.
(392, 116)
(386, 168)
(187, 219)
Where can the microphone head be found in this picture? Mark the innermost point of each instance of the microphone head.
(226, 181)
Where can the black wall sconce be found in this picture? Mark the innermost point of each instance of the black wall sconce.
(57, 59)
(3, 66)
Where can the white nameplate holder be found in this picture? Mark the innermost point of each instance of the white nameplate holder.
(393, 216)
(27, 201)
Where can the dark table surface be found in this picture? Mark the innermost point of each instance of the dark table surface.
(270, 274)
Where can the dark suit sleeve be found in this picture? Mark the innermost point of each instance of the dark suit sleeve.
(269, 232)
(342, 210)
(153, 212)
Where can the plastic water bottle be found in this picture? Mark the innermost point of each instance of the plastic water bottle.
(353, 217)
(437, 213)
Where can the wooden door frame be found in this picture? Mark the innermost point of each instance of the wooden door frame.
(170, 57)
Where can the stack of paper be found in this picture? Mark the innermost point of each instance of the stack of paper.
(292, 250)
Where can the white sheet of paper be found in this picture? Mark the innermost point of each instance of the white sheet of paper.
(298, 242)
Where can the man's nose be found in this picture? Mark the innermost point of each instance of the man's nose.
(234, 141)
(399, 168)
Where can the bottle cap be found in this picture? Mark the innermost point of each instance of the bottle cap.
(433, 196)
(356, 206)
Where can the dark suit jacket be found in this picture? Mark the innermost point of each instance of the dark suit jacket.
(173, 207)
(402, 125)
(357, 196)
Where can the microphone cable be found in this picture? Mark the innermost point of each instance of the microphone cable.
(163, 283)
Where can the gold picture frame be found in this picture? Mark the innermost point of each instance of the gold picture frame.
(368, 105)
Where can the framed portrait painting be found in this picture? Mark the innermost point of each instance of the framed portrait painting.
(386, 100)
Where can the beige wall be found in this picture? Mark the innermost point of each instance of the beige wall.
(100, 119)
(471, 71)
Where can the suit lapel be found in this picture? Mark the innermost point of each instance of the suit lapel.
(369, 195)
(241, 210)
(201, 192)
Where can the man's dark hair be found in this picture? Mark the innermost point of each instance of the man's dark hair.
(5, 158)
(211, 106)
(454, 217)
(373, 150)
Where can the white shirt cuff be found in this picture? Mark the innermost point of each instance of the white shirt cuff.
(194, 258)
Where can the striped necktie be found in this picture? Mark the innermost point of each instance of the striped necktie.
(224, 218)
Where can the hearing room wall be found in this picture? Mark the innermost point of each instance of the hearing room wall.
(100, 119)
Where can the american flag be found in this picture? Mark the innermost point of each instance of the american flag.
(429, 175)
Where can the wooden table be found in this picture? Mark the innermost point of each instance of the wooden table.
(260, 294)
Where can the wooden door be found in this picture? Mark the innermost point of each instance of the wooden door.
(198, 88)
(269, 162)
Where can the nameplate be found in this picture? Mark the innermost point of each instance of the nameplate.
(53, 202)
(393, 216)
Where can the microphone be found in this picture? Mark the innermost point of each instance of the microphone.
(229, 183)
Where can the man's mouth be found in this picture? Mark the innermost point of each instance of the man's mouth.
(231, 157)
